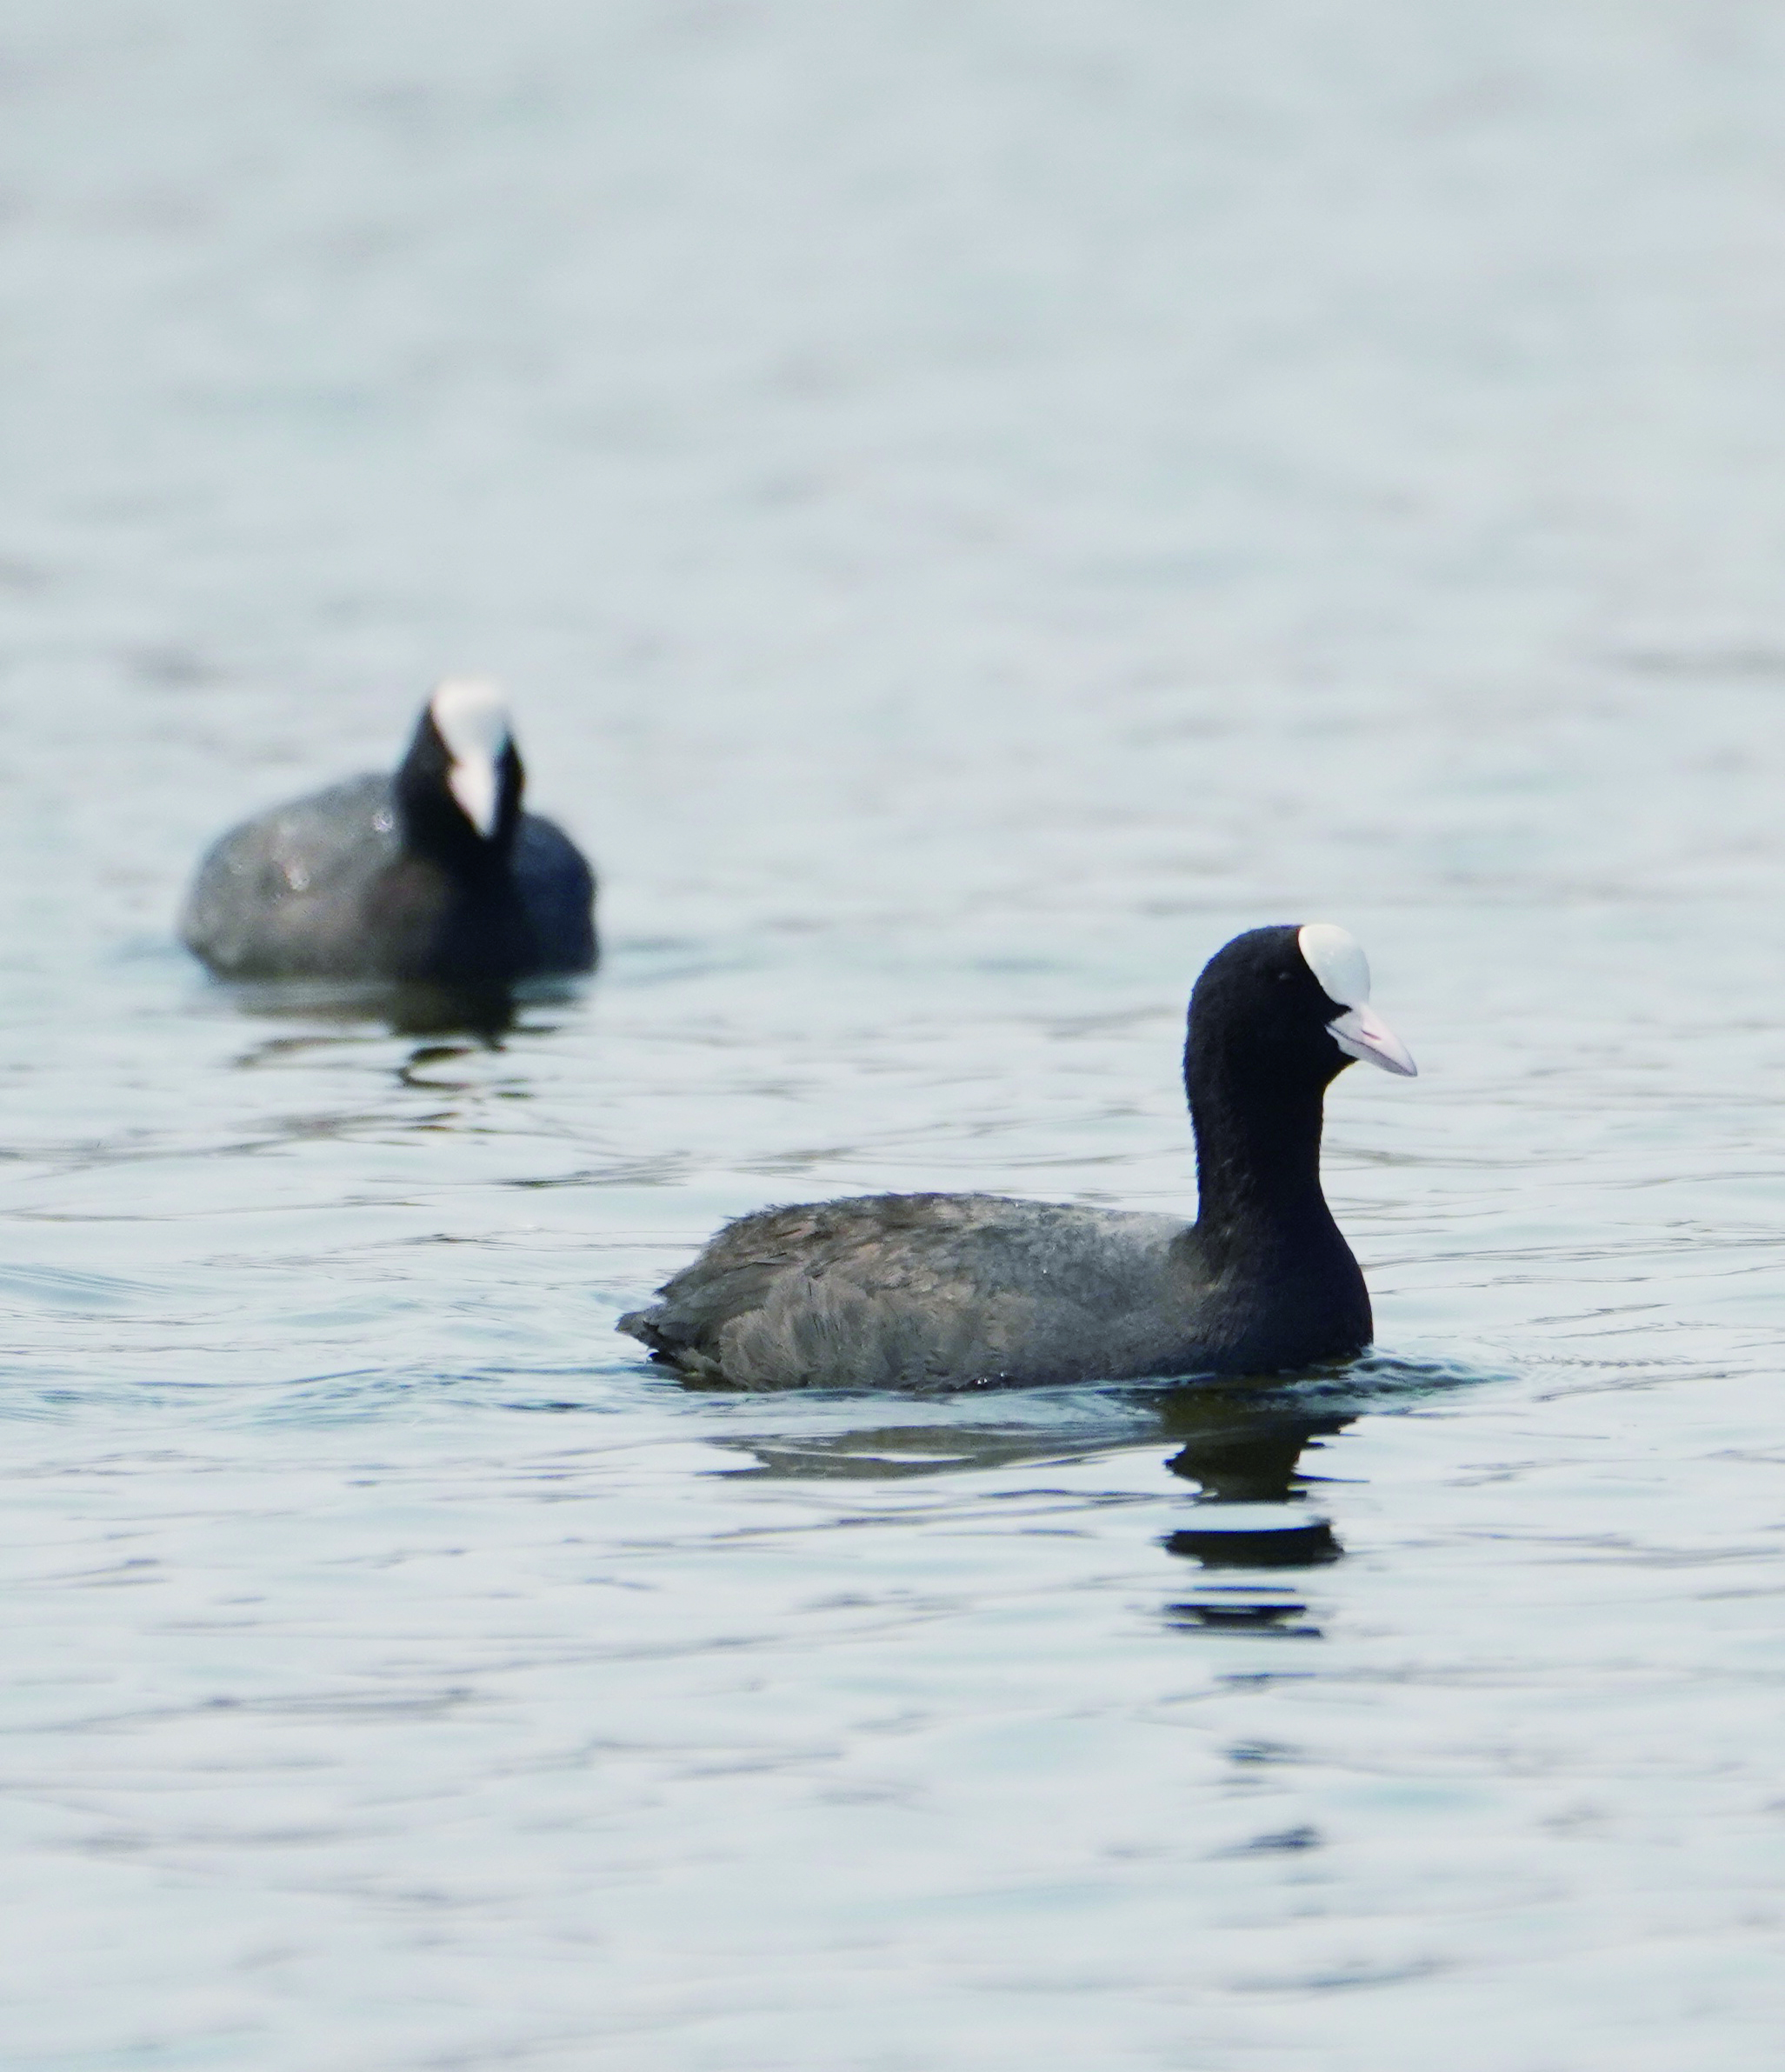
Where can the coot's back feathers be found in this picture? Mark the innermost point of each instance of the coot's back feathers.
(902, 1291)
(284, 894)
(913, 1290)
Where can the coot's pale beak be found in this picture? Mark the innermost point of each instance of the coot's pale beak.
(475, 782)
(1362, 1033)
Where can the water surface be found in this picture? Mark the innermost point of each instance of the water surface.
(975, 504)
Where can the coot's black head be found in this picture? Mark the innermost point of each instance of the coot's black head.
(460, 785)
(1288, 1008)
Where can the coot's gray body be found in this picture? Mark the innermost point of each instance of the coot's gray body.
(397, 878)
(902, 1291)
(322, 889)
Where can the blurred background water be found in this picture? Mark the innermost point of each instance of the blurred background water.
(974, 504)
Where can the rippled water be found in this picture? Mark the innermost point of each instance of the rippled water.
(975, 504)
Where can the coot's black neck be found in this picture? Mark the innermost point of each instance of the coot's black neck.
(1258, 1164)
(434, 824)
(474, 863)
(470, 925)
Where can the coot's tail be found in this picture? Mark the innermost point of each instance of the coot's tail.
(655, 1329)
(641, 1324)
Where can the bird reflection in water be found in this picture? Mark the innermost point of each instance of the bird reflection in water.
(1250, 1514)
(485, 1012)
(443, 1024)
(1257, 1467)
(1241, 1443)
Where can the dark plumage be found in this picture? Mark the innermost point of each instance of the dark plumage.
(434, 873)
(912, 1290)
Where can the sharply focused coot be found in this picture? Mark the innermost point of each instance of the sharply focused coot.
(433, 875)
(913, 1290)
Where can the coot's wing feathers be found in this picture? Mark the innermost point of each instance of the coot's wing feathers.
(901, 1290)
(557, 892)
(281, 895)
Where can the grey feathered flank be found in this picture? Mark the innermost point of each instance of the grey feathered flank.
(901, 1291)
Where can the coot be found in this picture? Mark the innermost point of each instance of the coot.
(899, 1291)
(433, 875)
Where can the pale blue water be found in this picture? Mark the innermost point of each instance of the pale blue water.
(974, 504)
